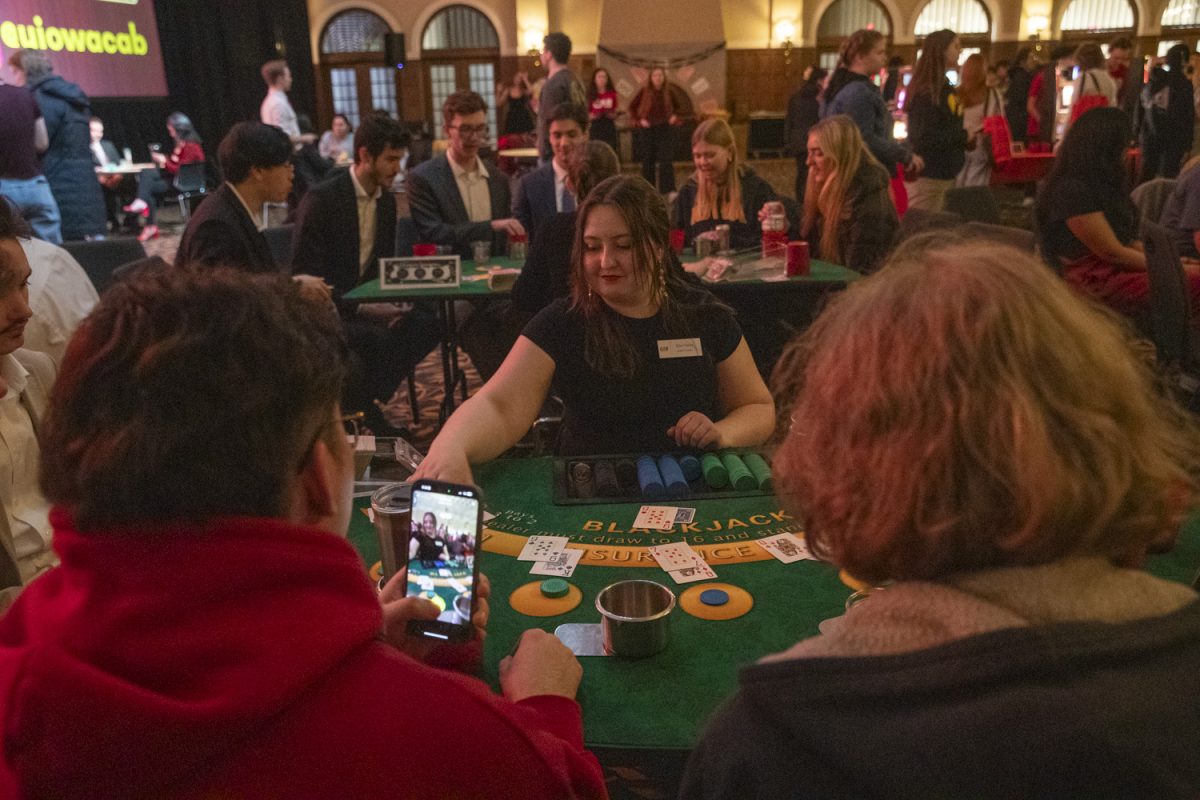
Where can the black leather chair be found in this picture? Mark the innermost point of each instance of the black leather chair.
(973, 204)
(102, 257)
(1171, 313)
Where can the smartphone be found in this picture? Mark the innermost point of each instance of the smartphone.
(443, 564)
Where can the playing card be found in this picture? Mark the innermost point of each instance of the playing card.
(787, 547)
(676, 555)
(658, 518)
(561, 565)
(698, 571)
(540, 548)
(683, 515)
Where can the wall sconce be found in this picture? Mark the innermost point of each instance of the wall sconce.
(532, 39)
(1037, 25)
(785, 29)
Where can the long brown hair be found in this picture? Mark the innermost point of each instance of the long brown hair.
(718, 200)
(840, 142)
(929, 73)
(608, 348)
(646, 95)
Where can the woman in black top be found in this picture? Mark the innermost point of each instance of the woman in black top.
(803, 111)
(643, 361)
(512, 101)
(1087, 226)
(1169, 116)
(654, 108)
(935, 127)
(546, 274)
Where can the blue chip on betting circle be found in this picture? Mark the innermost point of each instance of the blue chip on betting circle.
(714, 597)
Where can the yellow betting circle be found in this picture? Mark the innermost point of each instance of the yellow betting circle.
(740, 602)
(530, 601)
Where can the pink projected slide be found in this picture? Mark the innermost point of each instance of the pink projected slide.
(109, 47)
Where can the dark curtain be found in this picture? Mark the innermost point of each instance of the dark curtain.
(212, 52)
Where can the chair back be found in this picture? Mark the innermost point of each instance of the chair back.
(1015, 237)
(406, 236)
(974, 204)
(1170, 301)
(279, 240)
(920, 220)
(100, 258)
(1151, 198)
(190, 178)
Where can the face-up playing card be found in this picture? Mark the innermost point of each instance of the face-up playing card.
(699, 571)
(657, 518)
(684, 515)
(676, 555)
(541, 548)
(561, 565)
(787, 547)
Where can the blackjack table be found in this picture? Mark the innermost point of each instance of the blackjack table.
(662, 702)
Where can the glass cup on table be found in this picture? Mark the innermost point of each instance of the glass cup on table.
(481, 251)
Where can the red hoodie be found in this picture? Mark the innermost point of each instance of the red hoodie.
(240, 659)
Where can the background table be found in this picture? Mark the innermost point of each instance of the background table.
(662, 702)
(124, 169)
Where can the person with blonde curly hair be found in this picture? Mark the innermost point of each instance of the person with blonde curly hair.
(975, 439)
(722, 190)
(849, 218)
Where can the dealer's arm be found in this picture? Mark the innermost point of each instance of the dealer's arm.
(494, 419)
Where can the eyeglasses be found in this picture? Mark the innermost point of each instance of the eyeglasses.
(470, 130)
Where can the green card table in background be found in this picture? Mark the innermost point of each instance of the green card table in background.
(761, 305)
(662, 702)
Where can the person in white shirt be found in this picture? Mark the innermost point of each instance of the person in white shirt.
(25, 381)
(276, 109)
(60, 294)
(1094, 88)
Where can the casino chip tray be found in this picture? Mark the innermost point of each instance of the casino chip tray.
(661, 477)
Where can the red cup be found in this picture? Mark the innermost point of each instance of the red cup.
(798, 261)
(424, 249)
(677, 240)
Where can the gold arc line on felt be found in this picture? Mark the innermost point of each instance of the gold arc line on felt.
(510, 544)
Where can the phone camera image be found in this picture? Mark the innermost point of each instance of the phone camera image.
(441, 552)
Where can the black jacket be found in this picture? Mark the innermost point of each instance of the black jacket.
(935, 130)
(325, 239)
(546, 274)
(221, 233)
(68, 163)
(869, 226)
(1069, 710)
(803, 111)
(1015, 102)
(755, 192)
(440, 215)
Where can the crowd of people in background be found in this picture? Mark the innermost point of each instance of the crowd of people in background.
(189, 426)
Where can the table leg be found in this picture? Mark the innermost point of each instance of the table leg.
(449, 359)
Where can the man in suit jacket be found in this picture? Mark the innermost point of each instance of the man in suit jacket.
(456, 198)
(543, 193)
(114, 184)
(344, 225)
(226, 229)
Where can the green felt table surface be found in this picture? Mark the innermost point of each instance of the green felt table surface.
(663, 701)
(821, 274)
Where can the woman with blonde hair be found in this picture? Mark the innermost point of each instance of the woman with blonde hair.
(975, 438)
(849, 218)
(721, 191)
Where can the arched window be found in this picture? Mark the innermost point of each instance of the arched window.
(355, 81)
(1181, 14)
(1098, 16)
(460, 50)
(964, 17)
(354, 31)
(843, 18)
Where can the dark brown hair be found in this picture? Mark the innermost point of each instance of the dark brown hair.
(929, 73)
(1089, 56)
(460, 104)
(190, 393)
(590, 163)
(272, 71)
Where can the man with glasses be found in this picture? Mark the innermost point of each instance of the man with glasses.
(210, 632)
(457, 198)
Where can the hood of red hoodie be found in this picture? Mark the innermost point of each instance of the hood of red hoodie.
(152, 651)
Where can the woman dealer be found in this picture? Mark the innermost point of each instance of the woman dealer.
(642, 360)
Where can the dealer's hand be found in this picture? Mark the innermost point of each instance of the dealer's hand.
(398, 610)
(541, 665)
(445, 463)
(695, 430)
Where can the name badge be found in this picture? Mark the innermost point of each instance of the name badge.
(679, 348)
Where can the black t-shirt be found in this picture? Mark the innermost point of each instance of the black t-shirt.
(1072, 197)
(18, 158)
(604, 414)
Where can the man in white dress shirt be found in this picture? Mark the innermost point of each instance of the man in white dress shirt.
(276, 109)
(543, 192)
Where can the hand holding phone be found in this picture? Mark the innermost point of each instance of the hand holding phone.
(443, 567)
(541, 665)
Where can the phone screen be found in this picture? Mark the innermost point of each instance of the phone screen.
(442, 548)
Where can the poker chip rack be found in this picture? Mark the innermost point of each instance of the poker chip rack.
(664, 478)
